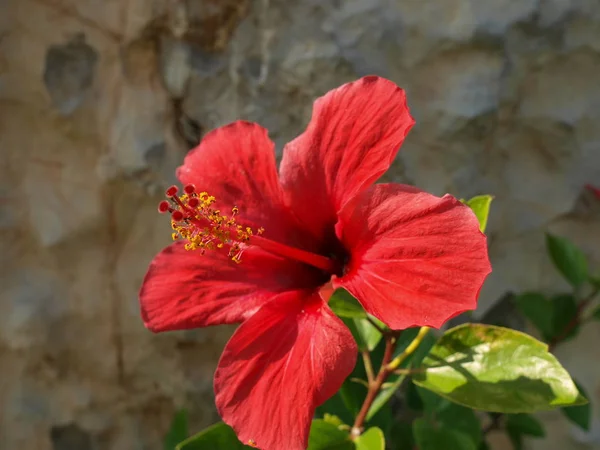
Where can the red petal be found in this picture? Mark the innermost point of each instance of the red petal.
(351, 140)
(184, 289)
(415, 259)
(236, 164)
(280, 364)
(594, 190)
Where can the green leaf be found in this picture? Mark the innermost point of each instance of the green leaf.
(403, 342)
(564, 312)
(519, 425)
(484, 446)
(538, 309)
(568, 259)
(430, 436)
(525, 424)
(407, 336)
(402, 436)
(550, 317)
(496, 369)
(442, 412)
(326, 436)
(596, 314)
(384, 395)
(372, 439)
(332, 419)
(460, 418)
(412, 396)
(432, 403)
(337, 407)
(178, 431)
(344, 304)
(481, 207)
(580, 415)
(515, 438)
(366, 335)
(216, 437)
(384, 419)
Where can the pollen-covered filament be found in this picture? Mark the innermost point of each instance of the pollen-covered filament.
(194, 220)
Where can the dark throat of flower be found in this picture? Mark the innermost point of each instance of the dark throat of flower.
(202, 227)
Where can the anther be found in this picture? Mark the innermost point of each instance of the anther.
(202, 228)
(163, 207)
(177, 216)
(172, 191)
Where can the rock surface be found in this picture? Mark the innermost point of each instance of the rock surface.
(100, 101)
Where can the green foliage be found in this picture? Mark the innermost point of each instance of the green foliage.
(371, 439)
(395, 381)
(402, 436)
(178, 431)
(481, 207)
(216, 437)
(568, 259)
(432, 436)
(345, 305)
(385, 395)
(327, 436)
(580, 415)
(366, 335)
(550, 316)
(496, 369)
(520, 425)
(337, 407)
(525, 424)
(444, 413)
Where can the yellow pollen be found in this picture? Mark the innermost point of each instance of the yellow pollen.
(194, 220)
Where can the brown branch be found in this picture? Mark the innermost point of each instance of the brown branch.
(388, 365)
(375, 386)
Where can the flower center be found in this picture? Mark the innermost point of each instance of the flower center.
(204, 228)
(194, 220)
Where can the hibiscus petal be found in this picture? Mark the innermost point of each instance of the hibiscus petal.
(236, 164)
(185, 289)
(415, 259)
(280, 364)
(353, 136)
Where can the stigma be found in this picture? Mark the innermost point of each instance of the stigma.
(196, 221)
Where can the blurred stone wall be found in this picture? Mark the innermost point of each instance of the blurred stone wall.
(100, 100)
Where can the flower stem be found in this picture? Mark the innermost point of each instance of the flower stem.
(368, 365)
(387, 367)
(409, 350)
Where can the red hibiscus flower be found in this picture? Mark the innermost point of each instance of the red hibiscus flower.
(410, 258)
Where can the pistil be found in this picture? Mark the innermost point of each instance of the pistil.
(194, 220)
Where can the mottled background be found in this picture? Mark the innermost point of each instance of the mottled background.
(100, 100)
